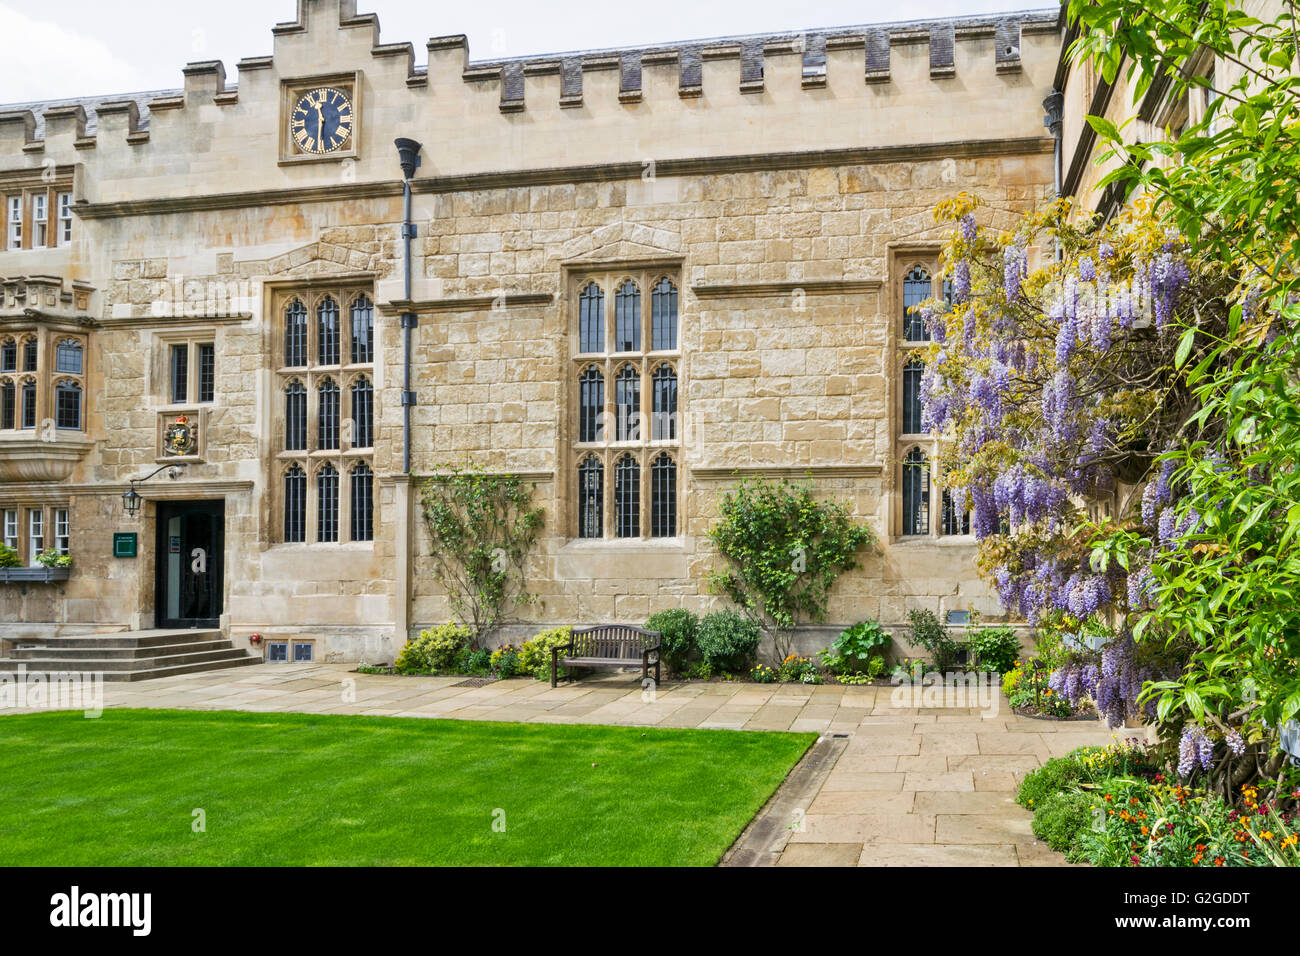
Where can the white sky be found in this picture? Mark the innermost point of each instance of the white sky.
(64, 48)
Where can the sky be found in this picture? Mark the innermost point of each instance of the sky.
(65, 48)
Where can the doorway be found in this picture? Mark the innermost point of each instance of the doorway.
(188, 556)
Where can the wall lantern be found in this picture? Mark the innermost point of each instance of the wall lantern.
(131, 499)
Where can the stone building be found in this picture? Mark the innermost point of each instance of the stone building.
(209, 281)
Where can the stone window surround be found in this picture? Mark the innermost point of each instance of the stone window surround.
(904, 260)
(191, 338)
(310, 293)
(24, 510)
(610, 277)
(29, 185)
(46, 378)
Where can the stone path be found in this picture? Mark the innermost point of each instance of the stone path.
(911, 786)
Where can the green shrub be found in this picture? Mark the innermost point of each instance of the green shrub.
(727, 640)
(474, 660)
(535, 654)
(996, 648)
(434, 650)
(9, 557)
(1058, 774)
(853, 649)
(1062, 820)
(676, 627)
(927, 632)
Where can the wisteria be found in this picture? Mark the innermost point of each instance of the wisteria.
(1194, 748)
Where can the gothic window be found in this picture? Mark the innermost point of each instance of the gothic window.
(627, 498)
(625, 405)
(363, 413)
(363, 500)
(954, 523)
(663, 308)
(67, 405)
(327, 503)
(329, 411)
(295, 335)
(8, 356)
(8, 401)
(663, 405)
(913, 369)
(591, 497)
(916, 493)
(327, 417)
(327, 332)
(917, 287)
(591, 319)
(663, 497)
(295, 417)
(627, 318)
(29, 403)
(67, 357)
(295, 504)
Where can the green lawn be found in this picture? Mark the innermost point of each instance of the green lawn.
(298, 789)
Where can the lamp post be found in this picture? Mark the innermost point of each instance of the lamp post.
(131, 499)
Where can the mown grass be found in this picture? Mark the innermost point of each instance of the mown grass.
(301, 789)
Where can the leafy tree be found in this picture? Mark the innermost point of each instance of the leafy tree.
(785, 549)
(482, 527)
(1228, 183)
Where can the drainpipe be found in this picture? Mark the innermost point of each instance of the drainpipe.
(1054, 103)
(408, 155)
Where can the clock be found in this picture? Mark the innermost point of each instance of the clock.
(321, 120)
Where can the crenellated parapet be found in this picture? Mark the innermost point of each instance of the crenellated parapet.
(863, 86)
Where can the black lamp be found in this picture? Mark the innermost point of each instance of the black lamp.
(131, 499)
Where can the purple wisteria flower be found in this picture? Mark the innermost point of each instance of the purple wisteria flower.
(1236, 745)
(1194, 748)
(961, 281)
(967, 226)
(1014, 269)
(1087, 270)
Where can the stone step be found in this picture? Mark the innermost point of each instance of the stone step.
(118, 639)
(88, 662)
(101, 652)
(9, 668)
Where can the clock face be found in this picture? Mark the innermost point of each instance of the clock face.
(322, 120)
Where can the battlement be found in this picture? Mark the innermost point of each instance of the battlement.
(820, 89)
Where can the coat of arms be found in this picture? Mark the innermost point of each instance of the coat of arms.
(179, 436)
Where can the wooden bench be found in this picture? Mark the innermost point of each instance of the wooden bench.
(609, 645)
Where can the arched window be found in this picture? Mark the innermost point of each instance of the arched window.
(663, 404)
(327, 503)
(29, 403)
(954, 523)
(327, 418)
(8, 399)
(363, 331)
(591, 497)
(591, 404)
(916, 493)
(67, 357)
(363, 413)
(627, 404)
(663, 497)
(67, 405)
(627, 318)
(295, 505)
(917, 287)
(663, 315)
(591, 319)
(29, 355)
(627, 498)
(295, 335)
(8, 356)
(363, 503)
(327, 332)
(295, 417)
(913, 369)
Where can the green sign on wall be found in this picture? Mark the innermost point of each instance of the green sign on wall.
(124, 544)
